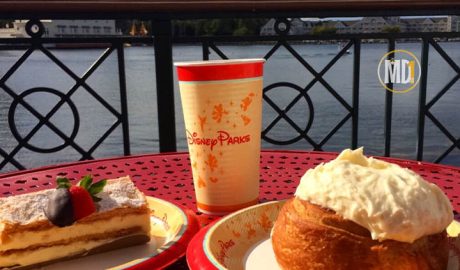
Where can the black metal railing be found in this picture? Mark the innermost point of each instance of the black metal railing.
(163, 41)
(426, 39)
(37, 44)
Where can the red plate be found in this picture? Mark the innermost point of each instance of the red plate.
(196, 258)
(172, 228)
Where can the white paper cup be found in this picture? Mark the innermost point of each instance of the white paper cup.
(222, 105)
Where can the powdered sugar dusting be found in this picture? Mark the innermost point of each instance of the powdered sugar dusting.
(24, 209)
(29, 208)
(120, 193)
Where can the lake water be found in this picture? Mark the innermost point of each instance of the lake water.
(38, 71)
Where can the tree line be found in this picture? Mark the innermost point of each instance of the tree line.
(213, 27)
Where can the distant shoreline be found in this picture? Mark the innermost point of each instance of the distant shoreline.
(92, 45)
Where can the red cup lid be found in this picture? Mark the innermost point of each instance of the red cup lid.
(216, 70)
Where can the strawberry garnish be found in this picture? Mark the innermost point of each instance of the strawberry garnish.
(83, 195)
(82, 202)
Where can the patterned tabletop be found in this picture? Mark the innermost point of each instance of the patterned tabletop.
(168, 176)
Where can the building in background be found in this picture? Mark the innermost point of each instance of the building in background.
(268, 29)
(298, 27)
(426, 24)
(453, 24)
(375, 25)
(66, 28)
(342, 26)
(372, 25)
(7, 31)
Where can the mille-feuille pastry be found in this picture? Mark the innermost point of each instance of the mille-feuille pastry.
(71, 221)
(362, 213)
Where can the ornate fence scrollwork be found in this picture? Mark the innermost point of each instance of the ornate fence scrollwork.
(36, 29)
(43, 120)
(424, 108)
(282, 27)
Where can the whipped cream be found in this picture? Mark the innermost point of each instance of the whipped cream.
(390, 201)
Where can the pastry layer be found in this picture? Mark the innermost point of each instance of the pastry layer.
(67, 251)
(26, 239)
(26, 212)
(27, 209)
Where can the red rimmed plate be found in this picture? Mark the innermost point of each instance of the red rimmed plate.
(242, 241)
(172, 228)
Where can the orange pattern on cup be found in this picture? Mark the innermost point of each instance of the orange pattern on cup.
(202, 121)
(201, 182)
(214, 179)
(218, 112)
(211, 117)
(246, 120)
(211, 162)
(245, 102)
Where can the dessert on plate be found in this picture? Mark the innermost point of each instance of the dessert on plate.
(71, 221)
(363, 213)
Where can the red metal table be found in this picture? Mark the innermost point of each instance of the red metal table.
(168, 176)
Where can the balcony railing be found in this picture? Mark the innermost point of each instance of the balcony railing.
(163, 40)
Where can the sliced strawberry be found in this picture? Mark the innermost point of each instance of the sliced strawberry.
(82, 202)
